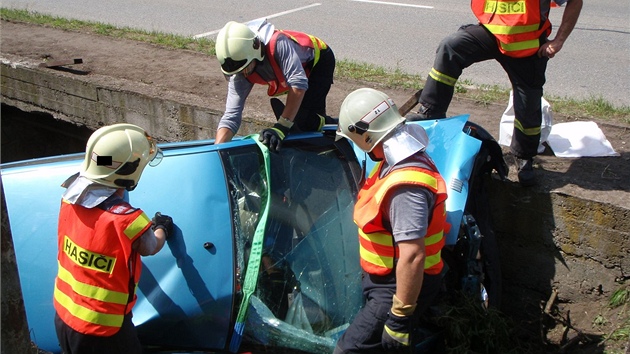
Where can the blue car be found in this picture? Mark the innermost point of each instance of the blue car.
(242, 271)
(189, 294)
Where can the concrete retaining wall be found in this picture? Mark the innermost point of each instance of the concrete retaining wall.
(97, 101)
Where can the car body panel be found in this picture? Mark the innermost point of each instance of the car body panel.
(189, 292)
(188, 286)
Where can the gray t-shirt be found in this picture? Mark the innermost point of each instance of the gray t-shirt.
(410, 207)
(290, 57)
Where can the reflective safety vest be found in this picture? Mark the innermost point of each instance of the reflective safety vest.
(517, 25)
(378, 251)
(278, 85)
(98, 270)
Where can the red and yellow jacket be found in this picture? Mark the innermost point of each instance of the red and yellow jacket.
(377, 248)
(278, 85)
(98, 270)
(517, 25)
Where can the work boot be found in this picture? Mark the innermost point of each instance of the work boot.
(525, 170)
(424, 113)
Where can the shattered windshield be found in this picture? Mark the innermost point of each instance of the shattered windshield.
(308, 287)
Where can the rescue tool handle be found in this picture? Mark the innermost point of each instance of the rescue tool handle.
(410, 104)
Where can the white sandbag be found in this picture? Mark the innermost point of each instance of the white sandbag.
(507, 123)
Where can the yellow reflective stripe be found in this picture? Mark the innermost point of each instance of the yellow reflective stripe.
(516, 46)
(432, 260)
(381, 261)
(91, 291)
(322, 122)
(528, 131)
(502, 29)
(403, 338)
(86, 314)
(443, 78)
(433, 239)
(315, 49)
(137, 225)
(405, 176)
(378, 238)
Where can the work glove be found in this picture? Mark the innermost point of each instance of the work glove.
(272, 137)
(163, 222)
(397, 330)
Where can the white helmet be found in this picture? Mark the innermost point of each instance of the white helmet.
(116, 155)
(236, 46)
(366, 117)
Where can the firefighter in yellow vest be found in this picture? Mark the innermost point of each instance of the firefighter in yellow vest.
(515, 34)
(401, 218)
(288, 62)
(101, 238)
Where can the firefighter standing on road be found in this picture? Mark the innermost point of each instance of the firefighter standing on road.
(101, 238)
(401, 216)
(515, 34)
(290, 62)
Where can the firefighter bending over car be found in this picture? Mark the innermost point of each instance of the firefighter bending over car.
(288, 62)
(101, 238)
(401, 216)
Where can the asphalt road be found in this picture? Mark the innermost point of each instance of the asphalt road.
(399, 34)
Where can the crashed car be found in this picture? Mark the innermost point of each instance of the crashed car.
(189, 294)
(265, 250)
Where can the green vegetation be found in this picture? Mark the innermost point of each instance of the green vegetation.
(470, 328)
(620, 301)
(158, 38)
(396, 78)
(614, 321)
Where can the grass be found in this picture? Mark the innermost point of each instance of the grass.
(593, 107)
(614, 321)
(620, 300)
(470, 328)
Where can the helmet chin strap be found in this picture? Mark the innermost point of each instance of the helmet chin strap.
(128, 184)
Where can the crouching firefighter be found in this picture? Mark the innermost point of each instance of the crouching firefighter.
(401, 216)
(100, 239)
(287, 62)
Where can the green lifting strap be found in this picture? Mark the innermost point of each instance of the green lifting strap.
(253, 265)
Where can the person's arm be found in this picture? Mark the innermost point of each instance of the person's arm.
(238, 90)
(150, 243)
(569, 19)
(153, 238)
(293, 103)
(410, 270)
(223, 135)
(409, 210)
